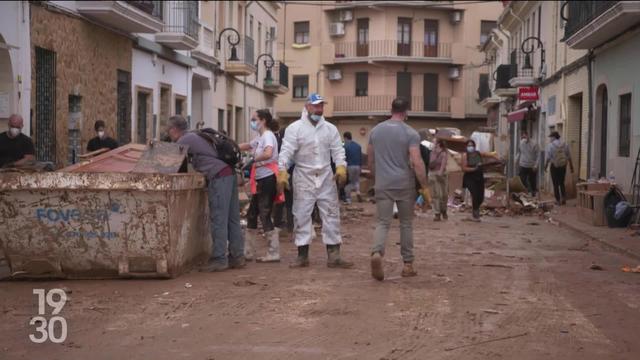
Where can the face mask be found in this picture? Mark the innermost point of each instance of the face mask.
(315, 118)
(101, 134)
(254, 125)
(471, 149)
(14, 131)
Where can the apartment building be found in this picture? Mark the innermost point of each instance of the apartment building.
(610, 32)
(133, 64)
(538, 84)
(360, 55)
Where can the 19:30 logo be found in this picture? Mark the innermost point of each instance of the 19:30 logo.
(55, 328)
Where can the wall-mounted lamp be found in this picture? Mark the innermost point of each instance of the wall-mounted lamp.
(233, 41)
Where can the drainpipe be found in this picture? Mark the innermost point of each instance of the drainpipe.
(244, 83)
(590, 99)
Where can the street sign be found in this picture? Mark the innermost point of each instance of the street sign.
(529, 93)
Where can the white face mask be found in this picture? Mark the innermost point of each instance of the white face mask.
(101, 134)
(471, 149)
(14, 131)
(315, 118)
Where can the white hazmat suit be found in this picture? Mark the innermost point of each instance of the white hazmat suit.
(311, 149)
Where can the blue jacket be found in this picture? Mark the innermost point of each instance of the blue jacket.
(353, 152)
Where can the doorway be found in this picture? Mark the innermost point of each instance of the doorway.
(601, 112)
(404, 36)
(403, 85)
(124, 107)
(431, 38)
(430, 92)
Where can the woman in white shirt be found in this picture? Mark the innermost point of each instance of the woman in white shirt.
(263, 185)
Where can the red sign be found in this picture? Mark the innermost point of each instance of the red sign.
(529, 93)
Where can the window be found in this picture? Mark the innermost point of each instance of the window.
(363, 37)
(300, 86)
(301, 32)
(624, 144)
(251, 26)
(259, 37)
(551, 106)
(362, 84)
(404, 36)
(485, 30)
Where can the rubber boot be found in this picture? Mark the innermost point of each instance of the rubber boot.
(334, 260)
(303, 257)
(250, 244)
(273, 250)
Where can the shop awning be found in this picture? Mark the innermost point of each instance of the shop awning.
(517, 115)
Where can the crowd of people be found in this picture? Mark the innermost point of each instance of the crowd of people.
(300, 171)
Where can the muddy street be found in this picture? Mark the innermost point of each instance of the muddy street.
(502, 289)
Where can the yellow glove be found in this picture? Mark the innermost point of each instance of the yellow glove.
(426, 195)
(282, 181)
(341, 175)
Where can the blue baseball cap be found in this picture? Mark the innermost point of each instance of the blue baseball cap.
(315, 98)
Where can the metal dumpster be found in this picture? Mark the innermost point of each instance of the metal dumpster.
(75, 224)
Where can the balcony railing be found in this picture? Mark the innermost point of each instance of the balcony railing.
(503, 75)
(484, 91)
(146, 6)
(581, 13)
(279, 75)
(182, 17)
(382, 104)
(391, 48)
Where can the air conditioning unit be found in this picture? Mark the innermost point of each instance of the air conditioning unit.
(335, 74)
(345, 15)
(454, 73)
(336, 29)
(456, 17)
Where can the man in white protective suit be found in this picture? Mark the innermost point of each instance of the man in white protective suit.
(311, 143)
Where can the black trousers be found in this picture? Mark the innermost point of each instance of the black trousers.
(557, 177)
(474, 182)
(279, 212)
(529, 179)
(262, 204)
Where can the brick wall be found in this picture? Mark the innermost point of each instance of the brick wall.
(87, 59)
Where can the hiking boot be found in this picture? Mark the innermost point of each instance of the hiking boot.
(303, 258)
(213, 266)
(239, 263)
(445, 216)
(250, 244)
(334, 260)
(273, 251)
(408, 270)
(376, 267)
(437, 218)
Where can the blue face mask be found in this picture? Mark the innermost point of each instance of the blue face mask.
(315, 118)
(254, 125)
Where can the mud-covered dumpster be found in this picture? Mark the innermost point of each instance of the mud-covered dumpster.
(76, 224)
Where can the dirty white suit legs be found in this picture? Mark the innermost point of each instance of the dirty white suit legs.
(311, 187)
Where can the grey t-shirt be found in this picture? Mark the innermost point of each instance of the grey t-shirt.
(204, 156)
(391, 140)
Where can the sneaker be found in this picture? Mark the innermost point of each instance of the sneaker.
(213, 267)
(376, 267)
(408, 270)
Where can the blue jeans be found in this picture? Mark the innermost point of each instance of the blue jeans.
(224, 216)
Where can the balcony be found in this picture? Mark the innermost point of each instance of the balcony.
(181, 26)
(130, 16)
(592, 23)
(392, 50)
(484, 91)
(526, 69)
(406, 3)
(205, 51)
(239, 59)
(278, 81)
(380, 105)
(502, 76)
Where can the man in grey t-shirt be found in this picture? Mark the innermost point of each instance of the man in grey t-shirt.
(394, 148)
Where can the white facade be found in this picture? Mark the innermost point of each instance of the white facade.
(15, 62)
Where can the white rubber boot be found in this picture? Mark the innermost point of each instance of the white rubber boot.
(273, 251)
(250, 244)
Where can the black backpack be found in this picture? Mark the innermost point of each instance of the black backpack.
(611, 200)
(228, 150)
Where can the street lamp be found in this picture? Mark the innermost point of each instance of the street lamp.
(531, 49)
(234, 52)
(268, 64)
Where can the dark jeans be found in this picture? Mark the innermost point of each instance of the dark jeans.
(278, 213)
(557, 177)
(224, 214)
(529, 179)
(262, 204)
